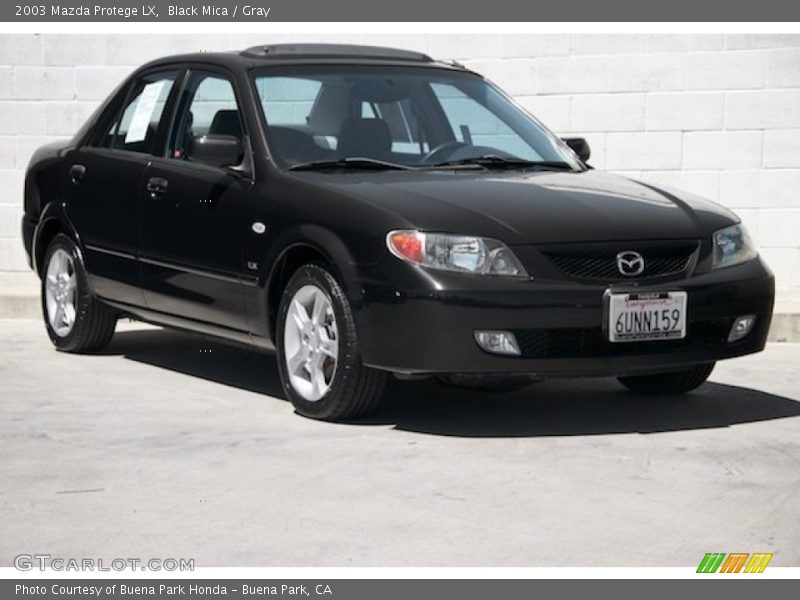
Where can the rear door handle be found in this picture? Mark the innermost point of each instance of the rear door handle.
(156, 186)
(76, 173)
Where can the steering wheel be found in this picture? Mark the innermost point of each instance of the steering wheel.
(443, 151)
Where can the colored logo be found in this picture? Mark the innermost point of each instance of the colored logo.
(735, 562)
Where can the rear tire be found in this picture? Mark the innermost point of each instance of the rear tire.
(676, 382)
(318, 355)
(75, 320)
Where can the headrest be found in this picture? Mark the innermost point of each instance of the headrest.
(226, 122)
(364, 138)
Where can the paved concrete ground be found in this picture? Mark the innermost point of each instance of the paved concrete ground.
(157, 449)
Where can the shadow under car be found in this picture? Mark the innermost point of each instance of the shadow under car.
(550, 408)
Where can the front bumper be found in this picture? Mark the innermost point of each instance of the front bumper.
(423, 323)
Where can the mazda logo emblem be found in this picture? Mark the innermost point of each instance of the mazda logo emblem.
(630, 263)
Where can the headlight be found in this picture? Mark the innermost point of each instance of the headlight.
(455, 253)
(732, 246)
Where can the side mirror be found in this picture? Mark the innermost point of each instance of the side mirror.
(215, 150)
(579, 146)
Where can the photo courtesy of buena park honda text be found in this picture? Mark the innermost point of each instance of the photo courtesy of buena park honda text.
(436, 300)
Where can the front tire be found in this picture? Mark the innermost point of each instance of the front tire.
(318, 357)
(75, 320)
(677, 382)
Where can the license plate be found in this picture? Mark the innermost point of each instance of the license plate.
(647, 316)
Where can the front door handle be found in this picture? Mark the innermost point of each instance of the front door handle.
(76, 173)
(156, 186)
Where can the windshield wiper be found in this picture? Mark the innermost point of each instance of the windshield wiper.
(491, 161)
(355, 163)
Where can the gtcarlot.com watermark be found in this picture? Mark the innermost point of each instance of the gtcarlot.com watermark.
(44, 562)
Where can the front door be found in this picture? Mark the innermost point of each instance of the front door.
(105, 183)
(195, 215)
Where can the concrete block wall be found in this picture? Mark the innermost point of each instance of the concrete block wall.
(716, 115)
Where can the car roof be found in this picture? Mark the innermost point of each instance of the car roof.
(308, 54)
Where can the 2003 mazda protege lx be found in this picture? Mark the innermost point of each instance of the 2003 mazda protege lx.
(369, 211)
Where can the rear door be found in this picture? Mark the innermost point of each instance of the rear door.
(105, 183)
(196, 216)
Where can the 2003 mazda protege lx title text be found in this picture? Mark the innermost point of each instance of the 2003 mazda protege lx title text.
(367, 212)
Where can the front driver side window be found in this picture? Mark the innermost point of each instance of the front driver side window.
(208, 107)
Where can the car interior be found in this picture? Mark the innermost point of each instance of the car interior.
(405, 120)
(353, 121)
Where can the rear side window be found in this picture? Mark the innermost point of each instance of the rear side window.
(136, 125)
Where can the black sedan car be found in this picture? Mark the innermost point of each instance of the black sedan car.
(368, 211)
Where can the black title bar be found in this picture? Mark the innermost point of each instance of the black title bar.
(731, 588)
(407, 10)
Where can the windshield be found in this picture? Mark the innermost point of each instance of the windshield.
(398, 116)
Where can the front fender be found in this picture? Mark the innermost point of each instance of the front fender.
(317, 239)
(325, 241)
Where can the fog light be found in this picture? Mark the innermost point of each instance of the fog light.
(741, 327)
(498, 342)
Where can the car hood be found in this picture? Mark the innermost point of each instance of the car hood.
(533, 207)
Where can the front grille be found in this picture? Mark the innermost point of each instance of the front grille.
(590, 262)
(587, 342)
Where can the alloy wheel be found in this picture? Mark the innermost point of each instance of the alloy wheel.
(311, 343)
(60, 292)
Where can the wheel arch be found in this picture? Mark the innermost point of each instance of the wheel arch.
(52, 222)
(303, 245)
